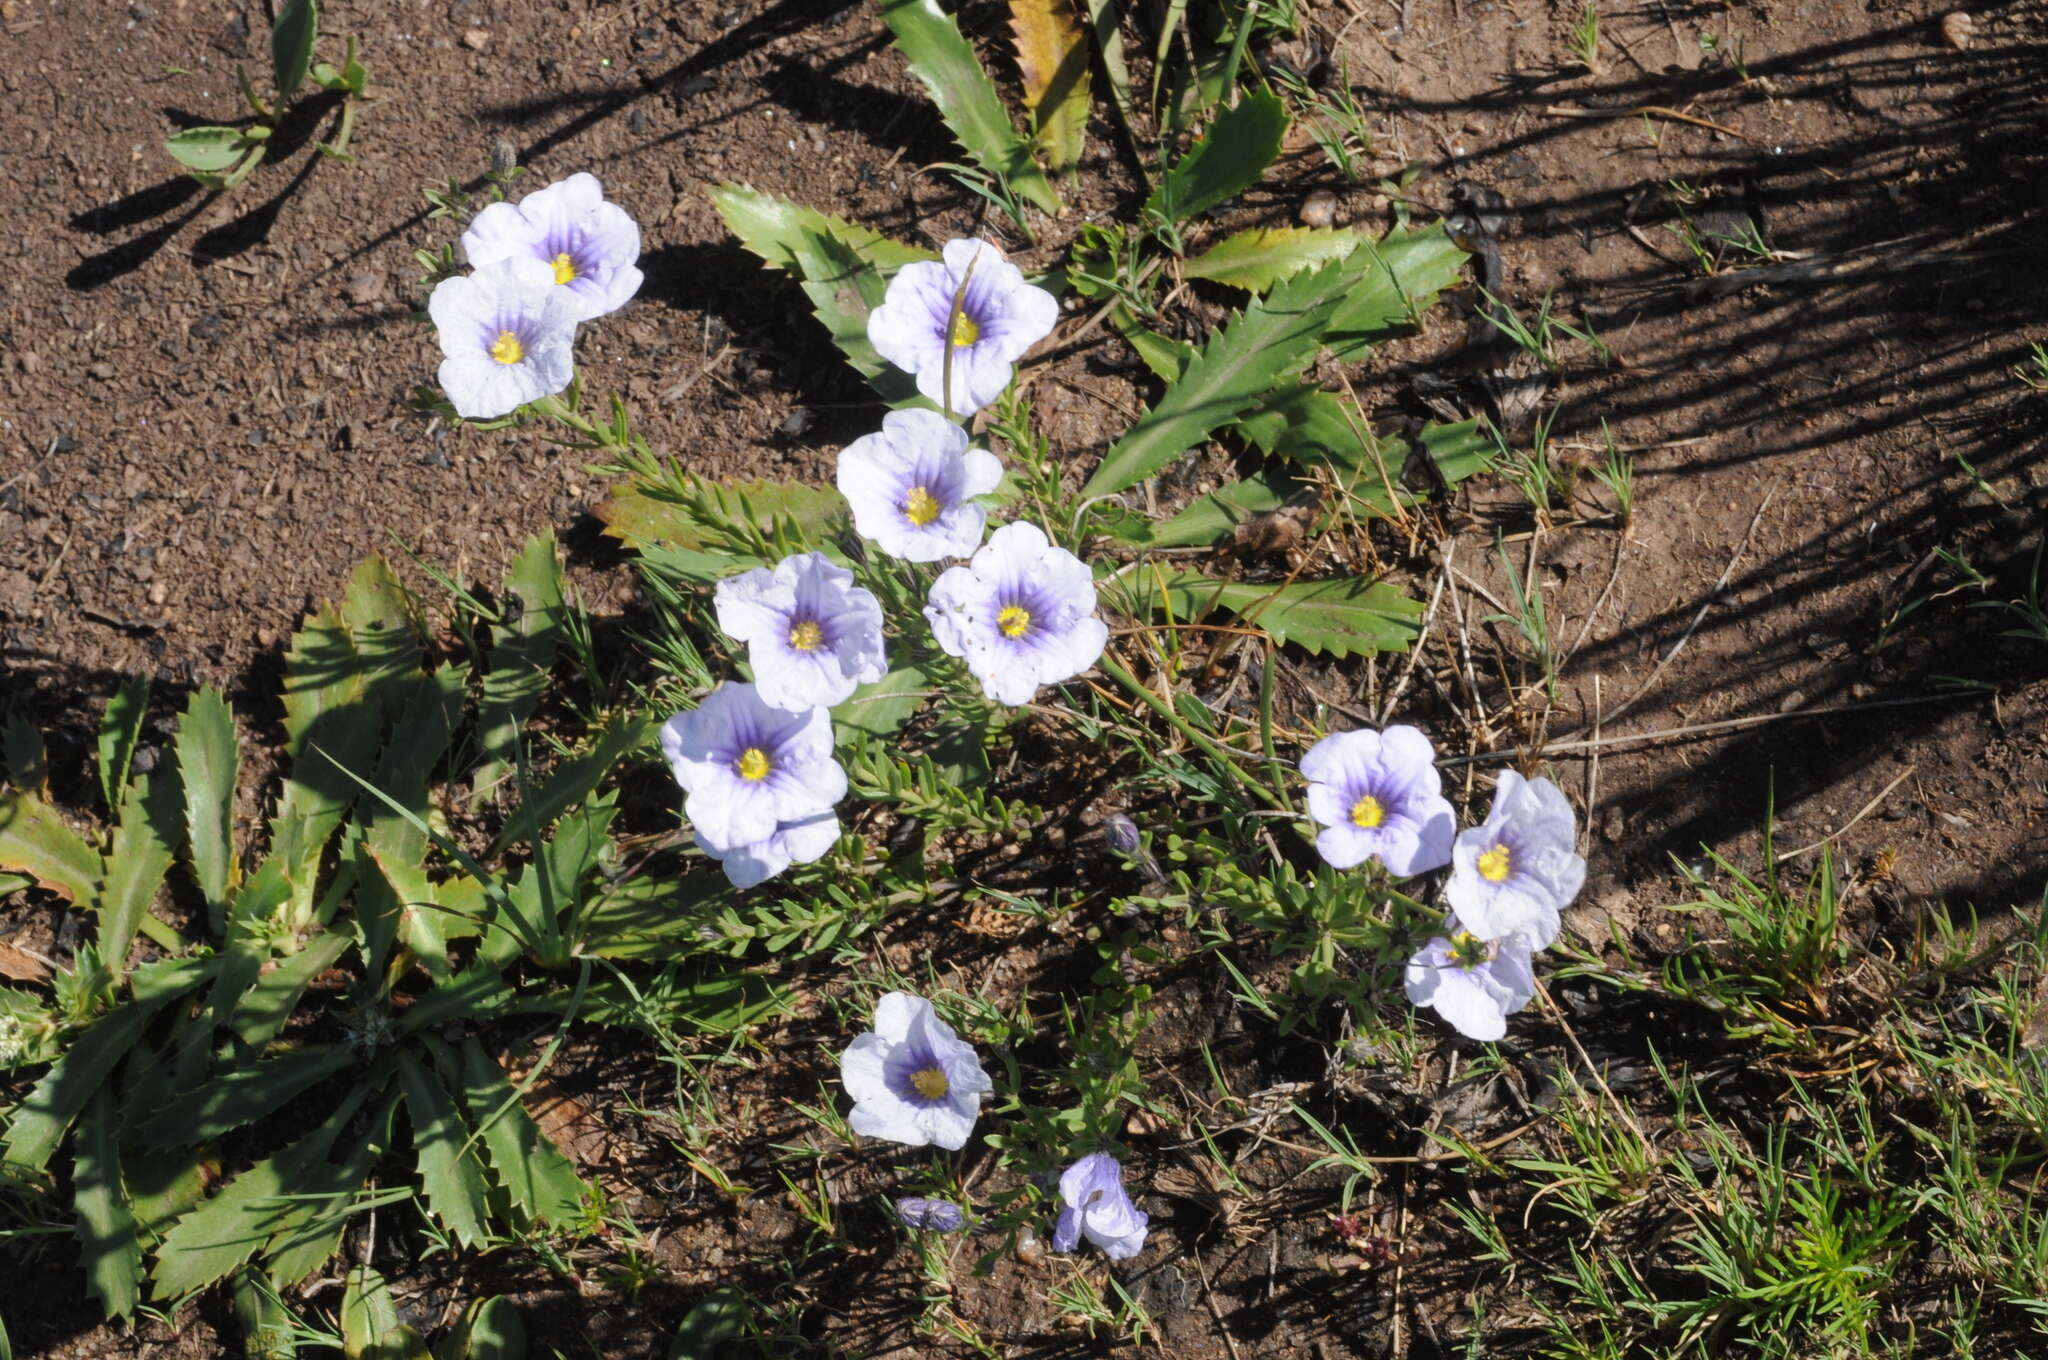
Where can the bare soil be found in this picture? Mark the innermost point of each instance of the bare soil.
(203, 426)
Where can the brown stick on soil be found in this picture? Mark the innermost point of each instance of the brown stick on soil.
(1646, 111)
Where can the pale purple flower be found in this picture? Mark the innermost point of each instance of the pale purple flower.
(508, 335)
(761, 781)
(1097, 1206)
(588, 245)
(812, 635)
(1000, 317)
(1474, 984)
(912, 1080)
(794, 842)
(1021, 614)
(933, 1215)
(1378, 796)
(1516, 871)
(912, 486)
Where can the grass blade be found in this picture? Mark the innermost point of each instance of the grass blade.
(940, 57)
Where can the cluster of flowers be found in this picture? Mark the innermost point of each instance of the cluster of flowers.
(755, 760)
(1377, 795)
(915, 1082)
(557, 258)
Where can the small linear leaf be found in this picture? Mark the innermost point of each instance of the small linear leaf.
(208, 757)
(1052, 57)
(1230, 158)
(967, 99)
(291, 45)
(109, 1246)
(1261, 257)
(1337, 617)
(533, 1170)
(449, 1171)
(120, 731)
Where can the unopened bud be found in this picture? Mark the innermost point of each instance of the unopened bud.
(504, 157)
(1121, 833)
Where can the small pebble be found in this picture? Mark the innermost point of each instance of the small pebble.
(1319, 209)
(1958, 30)
(158, 594)
(476, 39)
(102, 370)
(364, 288)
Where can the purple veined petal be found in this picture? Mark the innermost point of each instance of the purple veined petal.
(506, 337)
(1020, 614)
(1066, 1230)
(913, 1081)
(1000, 316)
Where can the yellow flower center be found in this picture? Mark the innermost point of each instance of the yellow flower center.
(1013, 620)
(965, 331)
(1367, 812)
(806, 636)
(920, 507)
(565, 268)
(1468, 950)
(753, 764)
(930, 1083)
(506, 349)
(1496, 864)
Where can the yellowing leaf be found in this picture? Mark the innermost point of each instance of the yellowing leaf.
(1259, 258)
(1052, 56)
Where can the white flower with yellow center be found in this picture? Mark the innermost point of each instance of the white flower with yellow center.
(508, 335)
(812, 635)
(913, 1081)
(913, 483)
(960, 323)
(1517, 871)
(1021, 614)
(1377, 796)
(589, 246)
(1474, 984)
(761, 781)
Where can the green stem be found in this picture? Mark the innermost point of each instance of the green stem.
(1181, 725)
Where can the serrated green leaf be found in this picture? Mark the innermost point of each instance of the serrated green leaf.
(330, 729)
(1321, 431)
(535, 1173)
(1261, 257)
(120, 732)
(109, 1246)
(576, 778)
(708, 1332)
(1052, 58)
(383, 631)
(1230, 158)
(239, 1096)
(1166, 357)
(266, 1325)
(225, 1231)
(207, 150)
(325, 1197)
(34, 840)
(1459, 451)
(1270, 343)
(47, 1111)
(143, 847)
(646, 523)
(841, 267)
(1389, 284)
(1336, 617)
(880, 708)
(291, 45)
(263, 1009)
(1212, 518)
(449, 1171)
(208, 760)
(522, 655)
(21, 750)
(648, 918)
(396, 901)
(967, 99)
(427, 719)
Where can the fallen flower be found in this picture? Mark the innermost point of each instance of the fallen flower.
(589, 246)
(812, 636)
(1378, 796)
(912, 486)
(913, 1081)
(1021, 613)
(999, 317)
(508, 336)
(1099, 1208)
